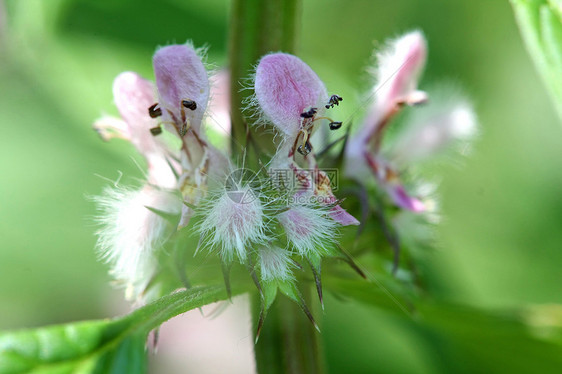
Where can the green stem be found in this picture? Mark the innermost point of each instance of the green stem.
(288, 342)
(257, 27)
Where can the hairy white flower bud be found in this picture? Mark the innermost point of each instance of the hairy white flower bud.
(309, 229)
(232, 222)
(275, 264)
(133, 231)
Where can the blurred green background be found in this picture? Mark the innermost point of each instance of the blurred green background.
(501, 238)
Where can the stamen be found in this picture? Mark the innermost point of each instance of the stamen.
(305, 149)
(156, 130)
(305, 135)
(189, 104)
(154, 112)
(334, 100)
(310, 113)
(335, 125)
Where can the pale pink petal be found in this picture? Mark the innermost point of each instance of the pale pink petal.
(133, 96)
(180, 75)
(286, 87)
(341, 216)
(399, 67)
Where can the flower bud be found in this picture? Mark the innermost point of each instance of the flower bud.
(310, 230)
(275, 264)
(133, 231)
(233, 222)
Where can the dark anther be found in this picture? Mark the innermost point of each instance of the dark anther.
(154, 112)
(334, 100)
(189, 104)
(156, 130)
(307, 149)
(335, 125)
(310, 113)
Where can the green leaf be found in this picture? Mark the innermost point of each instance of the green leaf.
(106, 346)
(519, 340)
(540, 23)
(492, 341)
(380, 291)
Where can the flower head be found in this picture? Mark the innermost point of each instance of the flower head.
(294, 99)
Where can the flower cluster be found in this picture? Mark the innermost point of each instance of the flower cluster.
(272, 219)
(238, 218)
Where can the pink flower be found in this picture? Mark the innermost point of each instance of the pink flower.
(399, 67)
(134, 221)
(294, 99)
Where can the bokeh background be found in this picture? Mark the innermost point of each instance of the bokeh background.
(501, 237)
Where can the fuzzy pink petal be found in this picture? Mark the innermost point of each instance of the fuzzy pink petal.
(286, 87)
(341, 216)
(400, 66)
(180, 75)
(133, 96)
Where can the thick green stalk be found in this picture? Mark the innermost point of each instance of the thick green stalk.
(288, 342)
(257, 27)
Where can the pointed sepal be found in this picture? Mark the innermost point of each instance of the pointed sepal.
(315, 263)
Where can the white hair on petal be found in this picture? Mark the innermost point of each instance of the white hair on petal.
(310, 229)
(275, 263)
(233, 221)
(131, 233)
